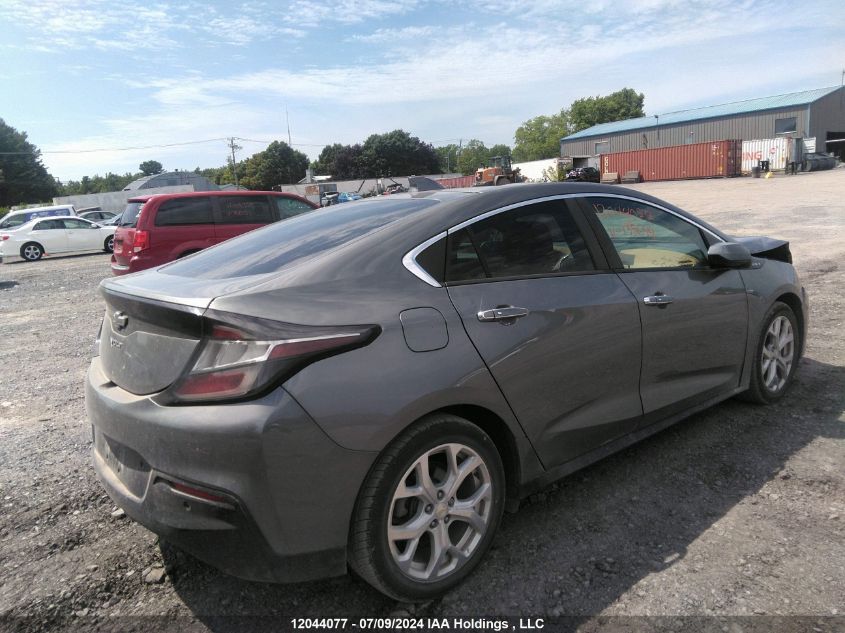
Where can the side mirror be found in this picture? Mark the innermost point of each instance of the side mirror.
(728, 255)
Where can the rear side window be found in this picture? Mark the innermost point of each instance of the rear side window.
(48, 225)
(181, 211)
(244, 210)
(463, 263)
(289, 207)
(537, 239)
(77, 224)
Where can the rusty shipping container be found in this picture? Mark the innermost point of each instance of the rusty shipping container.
(698, 160)
(454, 183)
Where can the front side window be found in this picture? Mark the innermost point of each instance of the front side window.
(180, 211)
(647, 237)
(245, 210)
(289, 207)
(537, 239)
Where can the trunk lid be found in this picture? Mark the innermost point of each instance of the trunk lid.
(153, 325)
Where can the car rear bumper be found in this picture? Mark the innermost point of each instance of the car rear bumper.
(255, 488)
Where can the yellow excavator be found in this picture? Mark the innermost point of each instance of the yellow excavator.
(499, 172)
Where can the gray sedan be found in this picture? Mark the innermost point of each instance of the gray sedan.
(372, 385)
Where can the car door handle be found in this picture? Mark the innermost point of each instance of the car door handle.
(502, 314)
(658, 300)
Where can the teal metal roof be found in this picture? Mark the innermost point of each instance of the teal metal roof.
(790, 100)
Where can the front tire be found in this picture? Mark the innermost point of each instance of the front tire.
(776, 356)
(31, 251)
(428, 510)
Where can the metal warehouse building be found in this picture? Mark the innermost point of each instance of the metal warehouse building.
(811, 114)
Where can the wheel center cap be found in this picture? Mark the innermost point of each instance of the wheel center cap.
(441, 510)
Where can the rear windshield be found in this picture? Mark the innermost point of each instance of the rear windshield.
(305, 236)
(130, 214)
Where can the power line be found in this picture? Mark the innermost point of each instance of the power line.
(180, 144)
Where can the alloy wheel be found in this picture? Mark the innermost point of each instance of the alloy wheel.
(777, 354)
(440, 511)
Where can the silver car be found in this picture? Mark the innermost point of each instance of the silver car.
(372, 385)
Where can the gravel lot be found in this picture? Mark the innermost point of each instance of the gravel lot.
(738, 511)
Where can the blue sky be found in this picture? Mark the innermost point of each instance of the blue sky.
(93, 74)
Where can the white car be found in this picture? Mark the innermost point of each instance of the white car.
(43, 237)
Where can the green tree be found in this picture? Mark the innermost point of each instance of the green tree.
(151, 167)
(618, 106)
(349, 163)
(473, 155)
(96, 184)
(448, 158)
(23, 178)
(539, 138)
(276, 165)
(325, 163)
(500, 150)
(397, 153)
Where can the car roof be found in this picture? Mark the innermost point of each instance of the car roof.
(459, 205)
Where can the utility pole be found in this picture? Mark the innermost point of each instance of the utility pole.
(287, 119)
(234, 147)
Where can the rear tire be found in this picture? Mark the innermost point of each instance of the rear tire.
(441, 485)
(31, 251)
(775, 357)
(108, 245)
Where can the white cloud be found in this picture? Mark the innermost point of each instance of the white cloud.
(124, 25)
(317, 12)
(436, 80)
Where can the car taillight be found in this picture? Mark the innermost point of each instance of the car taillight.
(235, 362)
(141, 241)
(5, 237)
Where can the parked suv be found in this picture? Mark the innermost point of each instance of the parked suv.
(157, 229)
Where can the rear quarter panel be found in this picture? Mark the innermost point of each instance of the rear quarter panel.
(365, 398)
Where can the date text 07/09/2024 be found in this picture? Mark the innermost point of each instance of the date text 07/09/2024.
(417, 624)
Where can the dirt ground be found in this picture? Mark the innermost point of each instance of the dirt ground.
(738, 511)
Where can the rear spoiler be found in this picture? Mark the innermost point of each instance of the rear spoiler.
(767, 247)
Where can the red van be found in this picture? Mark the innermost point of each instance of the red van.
(160, 228)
